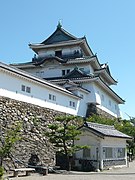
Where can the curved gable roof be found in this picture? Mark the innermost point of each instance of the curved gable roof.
(76, 73)
(59, 35)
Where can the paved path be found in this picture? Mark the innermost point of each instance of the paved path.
(114, 174)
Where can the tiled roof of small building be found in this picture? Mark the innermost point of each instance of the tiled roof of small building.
(106, 130)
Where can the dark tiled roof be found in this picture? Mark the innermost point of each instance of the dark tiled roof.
(63, 79)
(76, 73)
(83, 78)
(20, 64)
(39, 62)
(77, 88)
(105, 74)
(105, 130)
(59, 35)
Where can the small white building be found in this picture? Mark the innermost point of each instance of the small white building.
(107, 147)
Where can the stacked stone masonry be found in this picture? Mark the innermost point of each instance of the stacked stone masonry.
(35, 122)
(34, 125)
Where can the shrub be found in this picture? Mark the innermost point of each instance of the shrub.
(1, 172)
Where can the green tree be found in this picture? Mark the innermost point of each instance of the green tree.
(63, 133)
(128, 128)
(102, 120)
(8, 138)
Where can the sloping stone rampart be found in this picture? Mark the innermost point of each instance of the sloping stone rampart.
(34, 125)
(35, 122)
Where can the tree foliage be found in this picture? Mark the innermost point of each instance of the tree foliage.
(64, 132)
(101, 120)
(1, 172)
(8, 138)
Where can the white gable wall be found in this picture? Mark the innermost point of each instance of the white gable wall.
(103, 99)
(107, 102)
(87, 138)
(90, 140)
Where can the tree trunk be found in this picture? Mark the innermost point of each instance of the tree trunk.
(69, 163)
(1, 161)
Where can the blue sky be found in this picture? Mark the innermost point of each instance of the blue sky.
(109, 26)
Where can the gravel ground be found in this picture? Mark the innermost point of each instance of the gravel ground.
(113, 174)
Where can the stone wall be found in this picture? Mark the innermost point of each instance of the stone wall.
(104, 114)
(93, 109)
(34, 120)
(34, 124)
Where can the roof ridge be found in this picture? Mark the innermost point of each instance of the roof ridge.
(105, 126)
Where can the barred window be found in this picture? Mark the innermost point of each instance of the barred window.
(23, 88)
(121, 153)
(63, 72)
(28, 89)
(68, 71)
(58, 53)
(52, 97)
(86, 153)
(108, 152)
(72, 103)
(110, 103)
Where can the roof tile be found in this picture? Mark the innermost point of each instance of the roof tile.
(106, 130)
